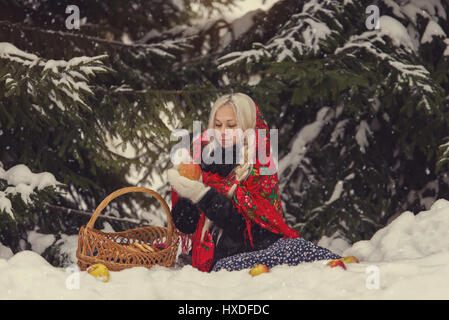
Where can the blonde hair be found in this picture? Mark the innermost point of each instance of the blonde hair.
(245, 111)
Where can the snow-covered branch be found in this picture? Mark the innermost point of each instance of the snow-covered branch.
(302, 34)
(22, 181)
(63, 79)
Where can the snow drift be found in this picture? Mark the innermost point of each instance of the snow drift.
(408, 236)
(407, 259)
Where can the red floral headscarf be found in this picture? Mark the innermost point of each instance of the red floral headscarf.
(256, 198)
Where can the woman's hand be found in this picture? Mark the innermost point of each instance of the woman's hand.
(191, 189)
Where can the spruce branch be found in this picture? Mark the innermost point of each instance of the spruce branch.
(89, 214)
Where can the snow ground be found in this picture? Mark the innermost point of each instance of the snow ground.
(408, 259)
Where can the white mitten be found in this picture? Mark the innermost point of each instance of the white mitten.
(193, 190)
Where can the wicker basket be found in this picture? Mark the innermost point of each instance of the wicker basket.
(130, 248)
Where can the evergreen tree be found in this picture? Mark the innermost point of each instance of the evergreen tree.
(371, 105)
(73, 99)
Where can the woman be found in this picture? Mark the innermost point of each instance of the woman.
(233, 214)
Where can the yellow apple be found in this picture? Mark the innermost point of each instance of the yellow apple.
(259, 269)
(99, 271)
(350, 259)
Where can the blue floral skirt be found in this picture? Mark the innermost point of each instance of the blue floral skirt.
(284, 251)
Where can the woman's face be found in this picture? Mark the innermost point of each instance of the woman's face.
(226, 126)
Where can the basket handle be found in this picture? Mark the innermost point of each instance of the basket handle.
(121, 191)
